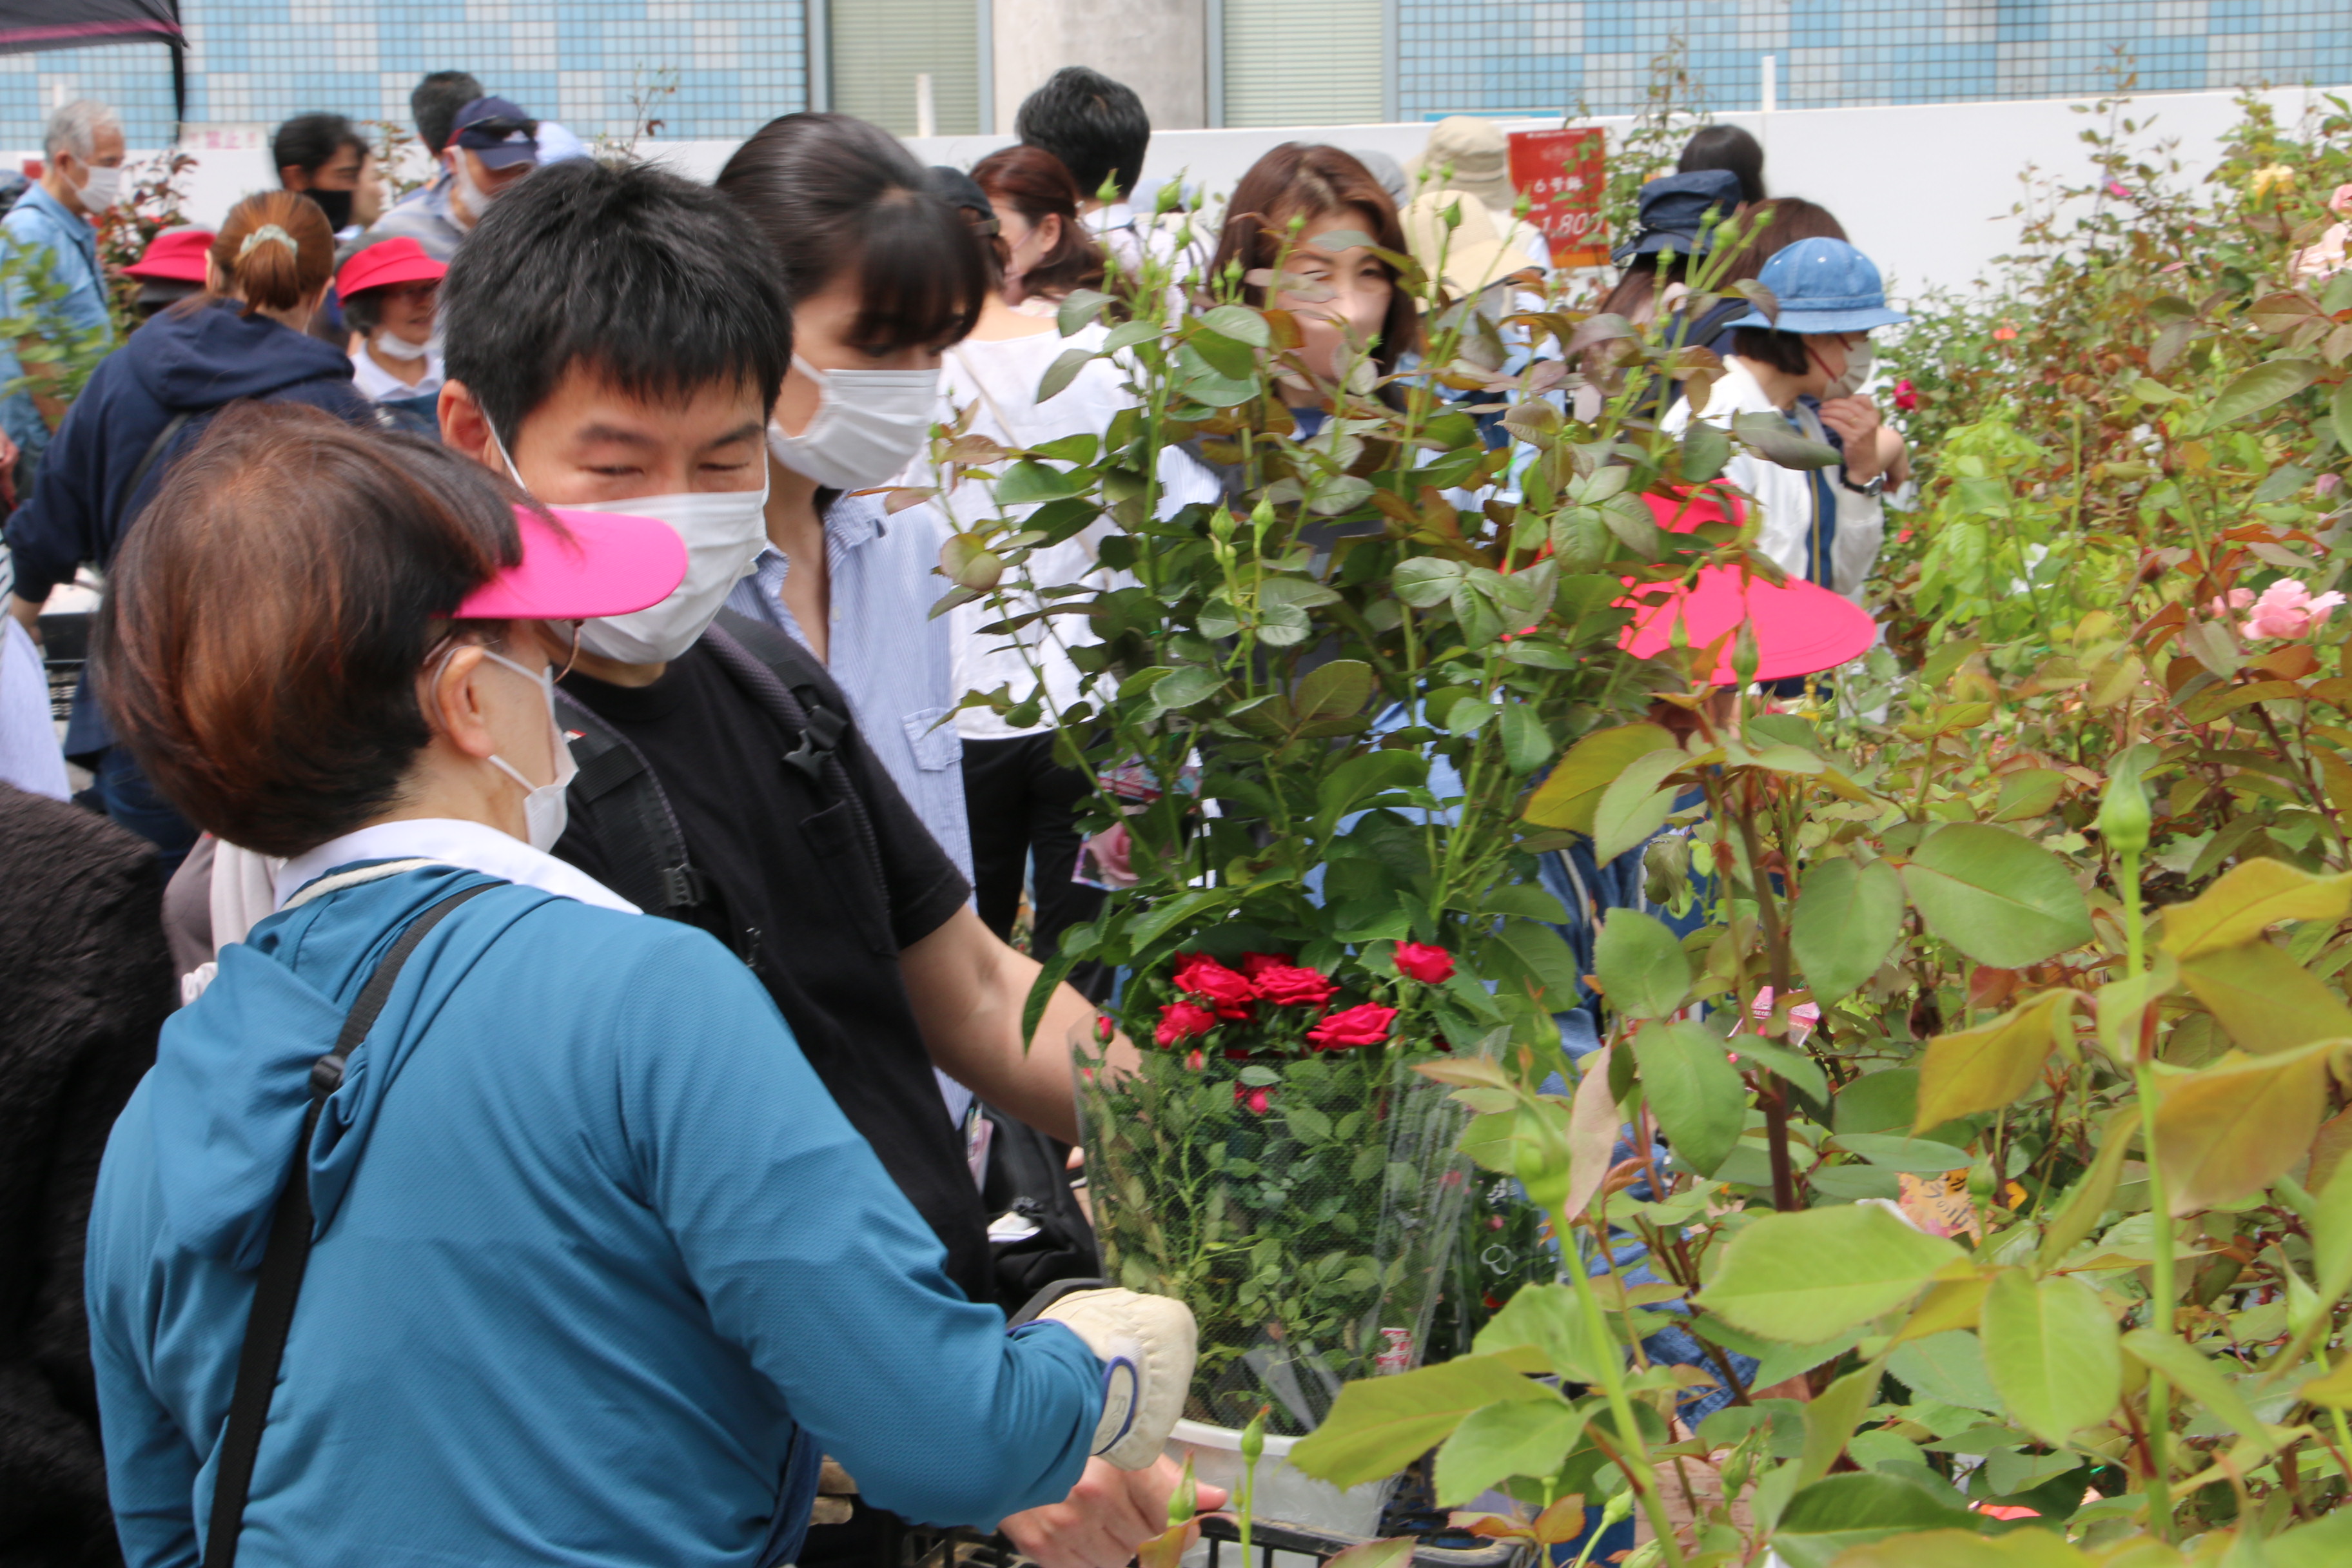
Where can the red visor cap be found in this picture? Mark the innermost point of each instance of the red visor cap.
(588, 564)
(401, 260)
(178, 257)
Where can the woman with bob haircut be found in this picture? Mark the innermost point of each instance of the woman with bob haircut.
(469, 1216)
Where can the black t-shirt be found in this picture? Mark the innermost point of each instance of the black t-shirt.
(794, 895)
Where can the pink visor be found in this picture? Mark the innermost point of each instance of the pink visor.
(600, 563)
(1800, 627)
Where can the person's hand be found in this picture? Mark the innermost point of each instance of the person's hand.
(1856, 421)
(1107, 1516)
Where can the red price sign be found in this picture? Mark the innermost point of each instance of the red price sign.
(1562, 173)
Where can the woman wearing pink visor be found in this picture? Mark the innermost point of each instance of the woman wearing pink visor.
(470, 1216)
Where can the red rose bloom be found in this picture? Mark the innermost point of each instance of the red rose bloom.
(1181, 1021)
(1228, 991)
(1423, 962)
(1284, 984)
(1367, 1025)
(1253, 1100)
(1906, 396)
(1193, 1061)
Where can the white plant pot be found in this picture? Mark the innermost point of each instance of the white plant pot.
(1284, 1495)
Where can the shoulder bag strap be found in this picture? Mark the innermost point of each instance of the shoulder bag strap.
(288, 1252)
(800, 709)
(661, 874)
(156, 450)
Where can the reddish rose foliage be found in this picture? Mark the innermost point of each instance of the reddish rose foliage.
(1181, 1021)
(1253, 1100)
(1423, 962)
(1367, 1025)
(1284, 984)
(1228, 991)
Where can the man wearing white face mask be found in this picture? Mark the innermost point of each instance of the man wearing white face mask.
(49, 231)
(722, 783)
(493, 146)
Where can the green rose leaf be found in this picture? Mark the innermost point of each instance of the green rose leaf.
(1377, 1426)
(1549, 1318)
(1808, 1277)
(2258, 388)
(1030, 481)
(2052, 1353)
(1061, 372)
(1948, 1368)
(1848, 916)
(1640, 965)
(1694, 1091)
(1836, 1512)
(1995, 896)
(1526, 1437)
(1572, 792)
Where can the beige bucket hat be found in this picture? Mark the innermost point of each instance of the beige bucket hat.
(1476, 254)
(1479, 155)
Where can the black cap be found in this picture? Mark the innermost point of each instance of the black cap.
(1674, 208)
(498, 133)
(958, 189)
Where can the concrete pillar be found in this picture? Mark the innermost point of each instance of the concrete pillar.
(1158, 47)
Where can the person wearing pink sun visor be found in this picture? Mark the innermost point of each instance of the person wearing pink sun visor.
(524, 1206)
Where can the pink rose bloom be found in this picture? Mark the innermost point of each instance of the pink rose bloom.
(1367, 1025)
(1194, 1061)
(1181, 1021)
(2118, 188)
(2239, 598)
(2340, 204)
(1421, 961)
(1253, 1100)
(2287, 609)
(2323, 258)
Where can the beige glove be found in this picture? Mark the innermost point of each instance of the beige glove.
(1147, 1346)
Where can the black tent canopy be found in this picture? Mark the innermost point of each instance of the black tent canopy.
(28, 26)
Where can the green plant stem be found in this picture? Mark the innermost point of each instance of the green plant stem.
(2161, 1281)
(1642, 1473)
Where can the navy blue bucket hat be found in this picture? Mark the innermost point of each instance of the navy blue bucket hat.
(1672, 210)
(1824, 286)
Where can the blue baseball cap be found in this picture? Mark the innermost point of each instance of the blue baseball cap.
(1673, 210)
(498, 133)
(1824, 286)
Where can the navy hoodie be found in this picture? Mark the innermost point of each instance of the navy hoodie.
(194, 365)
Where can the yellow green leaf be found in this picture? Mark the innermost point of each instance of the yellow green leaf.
(2093, 1192)
(2249, 897)
(2199, 1378)
(1377, 1426)
(2265, 999)
(1569, 797)
(2237, 1126)
(1811, 1275)
(1966, 1548)
(1830, 1420)
(2052, 1353)
(1986, 1068)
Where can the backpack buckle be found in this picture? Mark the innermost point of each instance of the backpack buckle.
(818, 737)
(327, 1075)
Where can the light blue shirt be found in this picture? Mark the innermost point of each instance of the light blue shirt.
(42, 234)
(889, 655)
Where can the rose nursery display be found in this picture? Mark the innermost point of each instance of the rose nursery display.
(1950, 1167)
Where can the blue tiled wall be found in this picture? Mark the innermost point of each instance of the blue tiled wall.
(1546, 56)
(738, 63)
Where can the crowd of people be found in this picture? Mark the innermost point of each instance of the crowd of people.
(486, 571)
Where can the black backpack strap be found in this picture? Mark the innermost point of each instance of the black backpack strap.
(792, 688)
(287, 1252)
(650, 861)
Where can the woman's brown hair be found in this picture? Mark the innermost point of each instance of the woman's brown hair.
(1033, 182)
(1772, 227)
(1298, 180)
(260, 659)
(276, 250)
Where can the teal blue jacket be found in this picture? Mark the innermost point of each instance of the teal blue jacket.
(599, 1268)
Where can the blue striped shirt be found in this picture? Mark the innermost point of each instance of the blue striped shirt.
(890, 657)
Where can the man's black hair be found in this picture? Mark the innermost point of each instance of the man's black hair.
(656, 283)
(1095, 126)
(1727, 147)
(310, 140)
(435, 102)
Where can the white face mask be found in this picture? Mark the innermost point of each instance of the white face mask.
(544, 813)
(475, 200)
(723, 531)
(103, 189)
(392, 345)
(1857, 371)
(868, 424)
